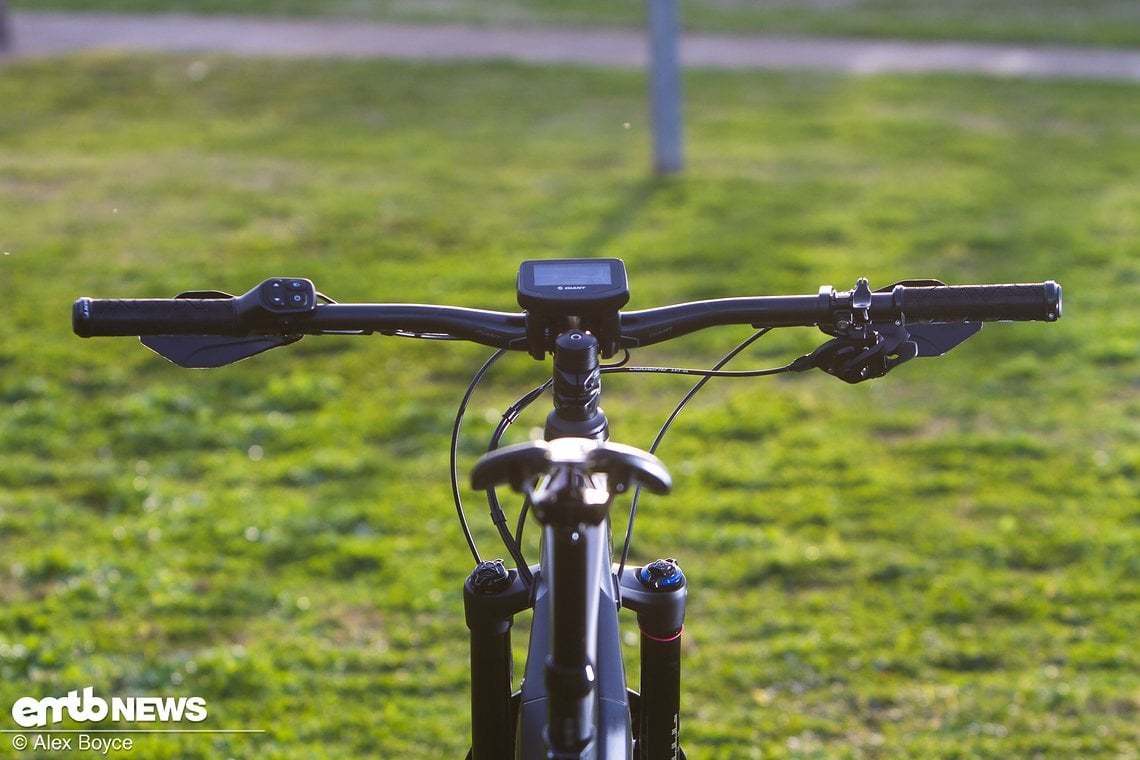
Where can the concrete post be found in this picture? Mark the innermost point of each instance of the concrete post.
(5, 27)
(665, 86)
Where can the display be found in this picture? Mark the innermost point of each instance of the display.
(572, 287)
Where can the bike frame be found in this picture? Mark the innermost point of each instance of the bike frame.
(574, 702)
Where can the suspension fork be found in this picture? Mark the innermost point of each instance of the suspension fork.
(492, 596)
(657, 593)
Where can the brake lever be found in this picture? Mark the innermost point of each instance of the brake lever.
(875, 351)
(865, 356)
(864, 350)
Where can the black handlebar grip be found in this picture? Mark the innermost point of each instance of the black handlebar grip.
(1023, 302)
(155, 316)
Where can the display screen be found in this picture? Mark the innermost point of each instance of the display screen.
(575, 273)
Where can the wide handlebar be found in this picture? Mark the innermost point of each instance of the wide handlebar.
(290, 306)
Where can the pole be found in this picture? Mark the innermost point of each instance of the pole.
(665, 86)
(5, 27)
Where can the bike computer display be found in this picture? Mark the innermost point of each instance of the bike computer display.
(572, 287)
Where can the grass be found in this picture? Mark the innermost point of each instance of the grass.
(1096, 22)
(939, 564)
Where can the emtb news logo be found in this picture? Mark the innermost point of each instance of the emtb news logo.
(84, 706)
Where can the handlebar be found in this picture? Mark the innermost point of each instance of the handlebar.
(178, 316)
(292, 307)
(909, 304)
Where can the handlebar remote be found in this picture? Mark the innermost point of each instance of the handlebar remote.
(288, 295)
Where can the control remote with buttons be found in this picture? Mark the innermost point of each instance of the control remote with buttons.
(288, 295)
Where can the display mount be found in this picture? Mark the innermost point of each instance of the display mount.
(562, 294)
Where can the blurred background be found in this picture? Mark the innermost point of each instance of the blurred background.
(942, 563)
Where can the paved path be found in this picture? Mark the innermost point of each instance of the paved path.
(47, 34)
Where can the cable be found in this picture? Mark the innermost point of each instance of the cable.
(705, 376)
(513, 544)
(624, 360)
(522, 520)
(455, 494)
(420, 336)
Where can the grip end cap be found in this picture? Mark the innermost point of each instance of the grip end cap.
(81, 318)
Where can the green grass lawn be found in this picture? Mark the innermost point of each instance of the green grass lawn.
(939, 564)
(1099, 22)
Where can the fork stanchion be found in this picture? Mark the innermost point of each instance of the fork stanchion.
(492, 596)
(657, 593)
(659, 733)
